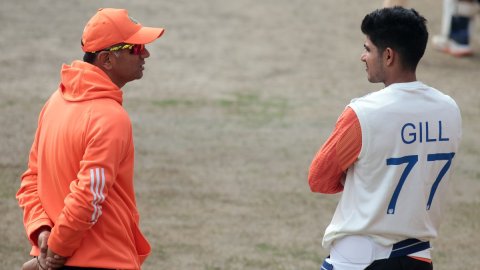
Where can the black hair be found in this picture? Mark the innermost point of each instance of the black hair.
(403, 30)
(89, 57)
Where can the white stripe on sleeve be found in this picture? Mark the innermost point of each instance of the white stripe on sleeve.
(92, 185)
(97, 185)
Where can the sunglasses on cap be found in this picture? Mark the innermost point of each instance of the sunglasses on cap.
(136, 49)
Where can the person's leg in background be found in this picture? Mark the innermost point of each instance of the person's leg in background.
(456, 31)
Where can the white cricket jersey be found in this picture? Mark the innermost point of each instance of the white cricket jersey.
(396, 189)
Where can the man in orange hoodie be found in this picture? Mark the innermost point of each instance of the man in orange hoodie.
(77, 194)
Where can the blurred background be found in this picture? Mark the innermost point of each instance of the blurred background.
(236, 98)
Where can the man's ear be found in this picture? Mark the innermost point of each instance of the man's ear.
(104, 60)
(389, 56)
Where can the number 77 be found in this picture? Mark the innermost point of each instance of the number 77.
(411, 161)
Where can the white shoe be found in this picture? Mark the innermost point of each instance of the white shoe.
(451, 47)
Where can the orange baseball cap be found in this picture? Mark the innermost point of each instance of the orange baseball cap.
(110, 26)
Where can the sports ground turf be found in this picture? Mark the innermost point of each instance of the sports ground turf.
(236, 98)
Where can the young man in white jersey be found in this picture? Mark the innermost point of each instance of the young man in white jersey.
(391, 154)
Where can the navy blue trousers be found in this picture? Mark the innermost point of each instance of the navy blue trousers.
(400, 263)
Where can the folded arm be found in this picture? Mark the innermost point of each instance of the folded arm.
(328, 168)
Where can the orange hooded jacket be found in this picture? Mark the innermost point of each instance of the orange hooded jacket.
(79, 179)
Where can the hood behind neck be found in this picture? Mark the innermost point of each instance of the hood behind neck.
(82, 81)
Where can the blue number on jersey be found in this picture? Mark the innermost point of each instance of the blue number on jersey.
(434, 157)
(411, 161)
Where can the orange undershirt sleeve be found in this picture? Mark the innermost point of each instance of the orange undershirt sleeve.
(340, 151)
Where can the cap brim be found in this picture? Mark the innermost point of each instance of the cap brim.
(145, 35)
